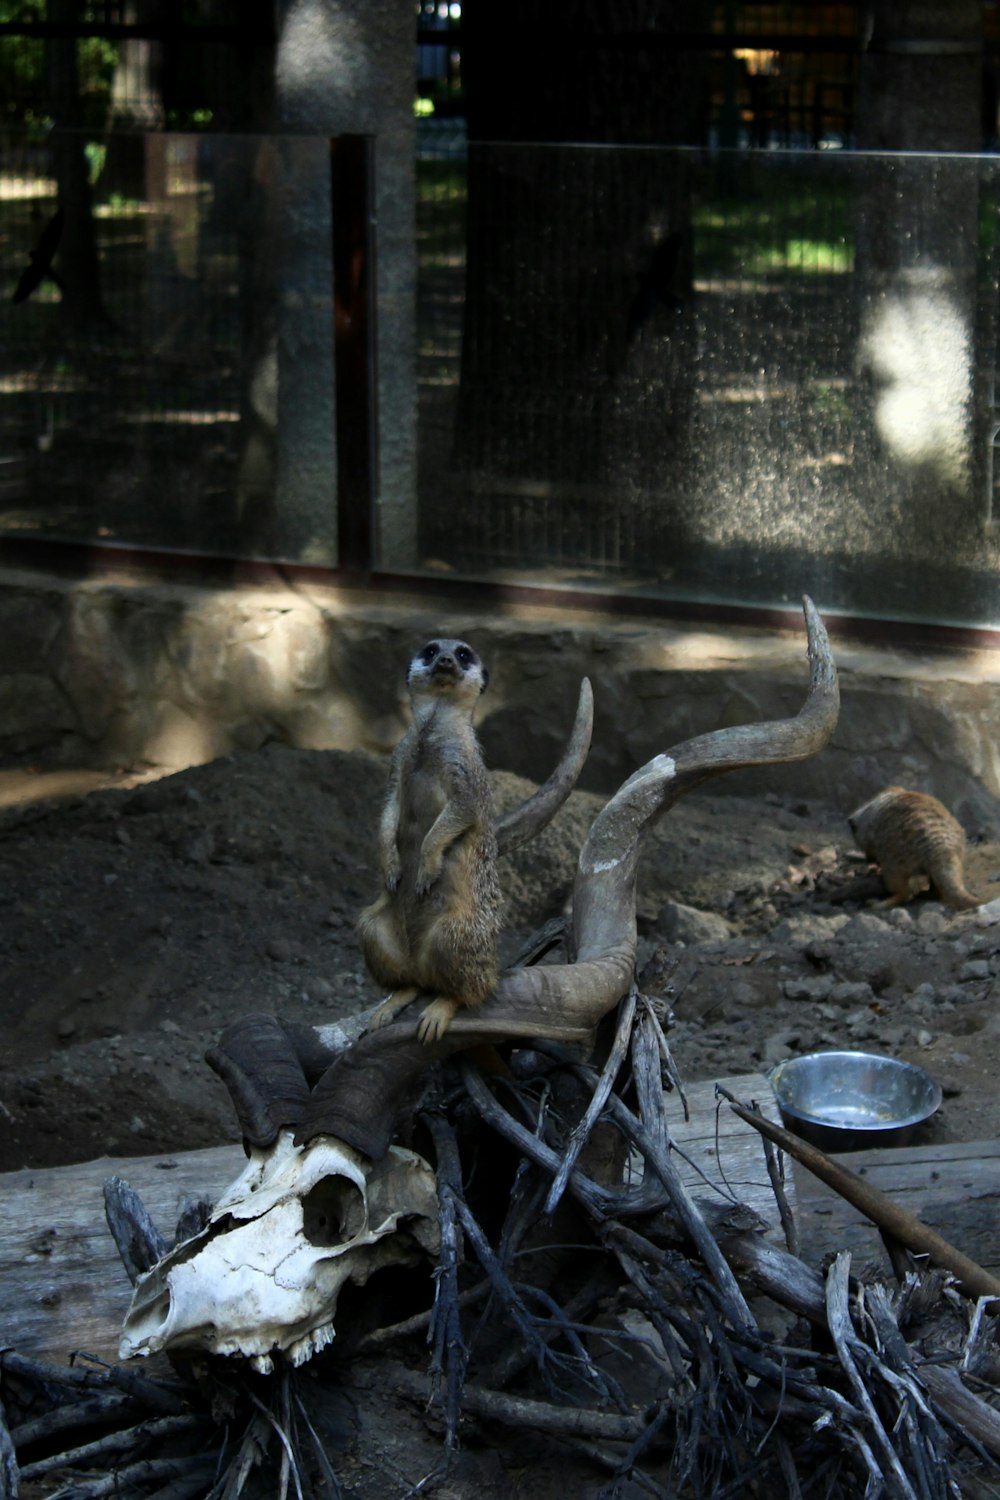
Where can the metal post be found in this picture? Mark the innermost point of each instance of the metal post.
(352, 166)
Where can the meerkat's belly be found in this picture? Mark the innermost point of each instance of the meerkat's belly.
(423, 806)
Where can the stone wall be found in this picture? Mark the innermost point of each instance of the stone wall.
(127, 673)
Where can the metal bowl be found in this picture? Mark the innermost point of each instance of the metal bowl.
(845, 1101)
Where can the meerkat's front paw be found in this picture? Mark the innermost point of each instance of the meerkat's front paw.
(435, 1020)
(387, 1012)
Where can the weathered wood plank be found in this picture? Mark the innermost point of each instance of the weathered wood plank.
(62, 1284)
(953, 1188)
(725, 1156)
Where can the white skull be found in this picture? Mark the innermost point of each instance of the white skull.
(265, 1273)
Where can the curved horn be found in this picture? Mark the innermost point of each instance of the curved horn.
(522, 823)
(358, 1097)
(604, 895)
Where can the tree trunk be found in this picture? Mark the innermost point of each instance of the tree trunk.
(575, 350)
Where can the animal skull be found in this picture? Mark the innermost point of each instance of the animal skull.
(265, 1273)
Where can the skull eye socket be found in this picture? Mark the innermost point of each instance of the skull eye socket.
(333, 1211)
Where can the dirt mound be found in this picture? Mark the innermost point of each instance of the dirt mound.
(140, 921)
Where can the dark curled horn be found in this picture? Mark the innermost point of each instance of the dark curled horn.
(268, 1067)
(358, 1097)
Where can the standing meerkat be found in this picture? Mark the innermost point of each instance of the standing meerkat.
(434, 928)
(917, 843)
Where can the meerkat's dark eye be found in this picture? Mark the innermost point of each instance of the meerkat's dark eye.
(464, 656)
(429, 652)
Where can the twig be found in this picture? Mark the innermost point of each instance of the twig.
(666, 1056)
(685, 1208)
(379, 1337)
(9, 1484)
(548, 936)
(112, 1442)
(575, 1421)
(976, 1421)
(89, 1411)
(598, 1200)
(975, 1329)
(580, 1132)
(319, 1450)
(648, 1081)
(775, 1176)
(140, 1244)
(845, 1341)
(147, 1471)
(450, 1354)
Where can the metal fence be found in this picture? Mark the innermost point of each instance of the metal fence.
(142, 382)
(712, 376)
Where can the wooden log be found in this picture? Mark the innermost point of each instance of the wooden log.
(62, 1284)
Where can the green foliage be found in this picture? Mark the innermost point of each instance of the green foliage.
(23, 72)
(800, 227)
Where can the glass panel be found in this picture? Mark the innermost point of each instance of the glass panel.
(142, 393)
(710, 375)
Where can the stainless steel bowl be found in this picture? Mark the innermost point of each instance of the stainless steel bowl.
(845, 1101)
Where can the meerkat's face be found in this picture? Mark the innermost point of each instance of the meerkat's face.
(446, 668)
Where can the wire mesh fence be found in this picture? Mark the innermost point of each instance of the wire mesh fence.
(711, 375)
(150, 320)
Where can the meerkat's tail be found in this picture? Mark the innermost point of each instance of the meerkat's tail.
(949, 882)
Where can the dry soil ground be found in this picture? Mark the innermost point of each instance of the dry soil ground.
(139, 920)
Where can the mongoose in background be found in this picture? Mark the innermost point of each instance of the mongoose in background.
(917, 843)
(435, 926)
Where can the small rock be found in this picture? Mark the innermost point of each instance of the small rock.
(66, 1029)
(280, 949)
(816, 988)
(975, 968)
(775, 1048)
(687, 924)
(852, 992)
(924, 1038)
(808, 928)
(900, 918)
(950, 1088)
(197, 850)
(862, 928)
(319, 989)
(932, 920)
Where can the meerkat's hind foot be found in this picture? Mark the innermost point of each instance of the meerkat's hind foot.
(436, 1019)
(387, 1012)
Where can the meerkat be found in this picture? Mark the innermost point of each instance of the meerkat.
(917, 843)
(434, 927)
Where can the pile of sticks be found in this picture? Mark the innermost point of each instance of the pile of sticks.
(601, 1250)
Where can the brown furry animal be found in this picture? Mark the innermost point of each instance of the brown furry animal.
(917, 843)
(435, 926)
